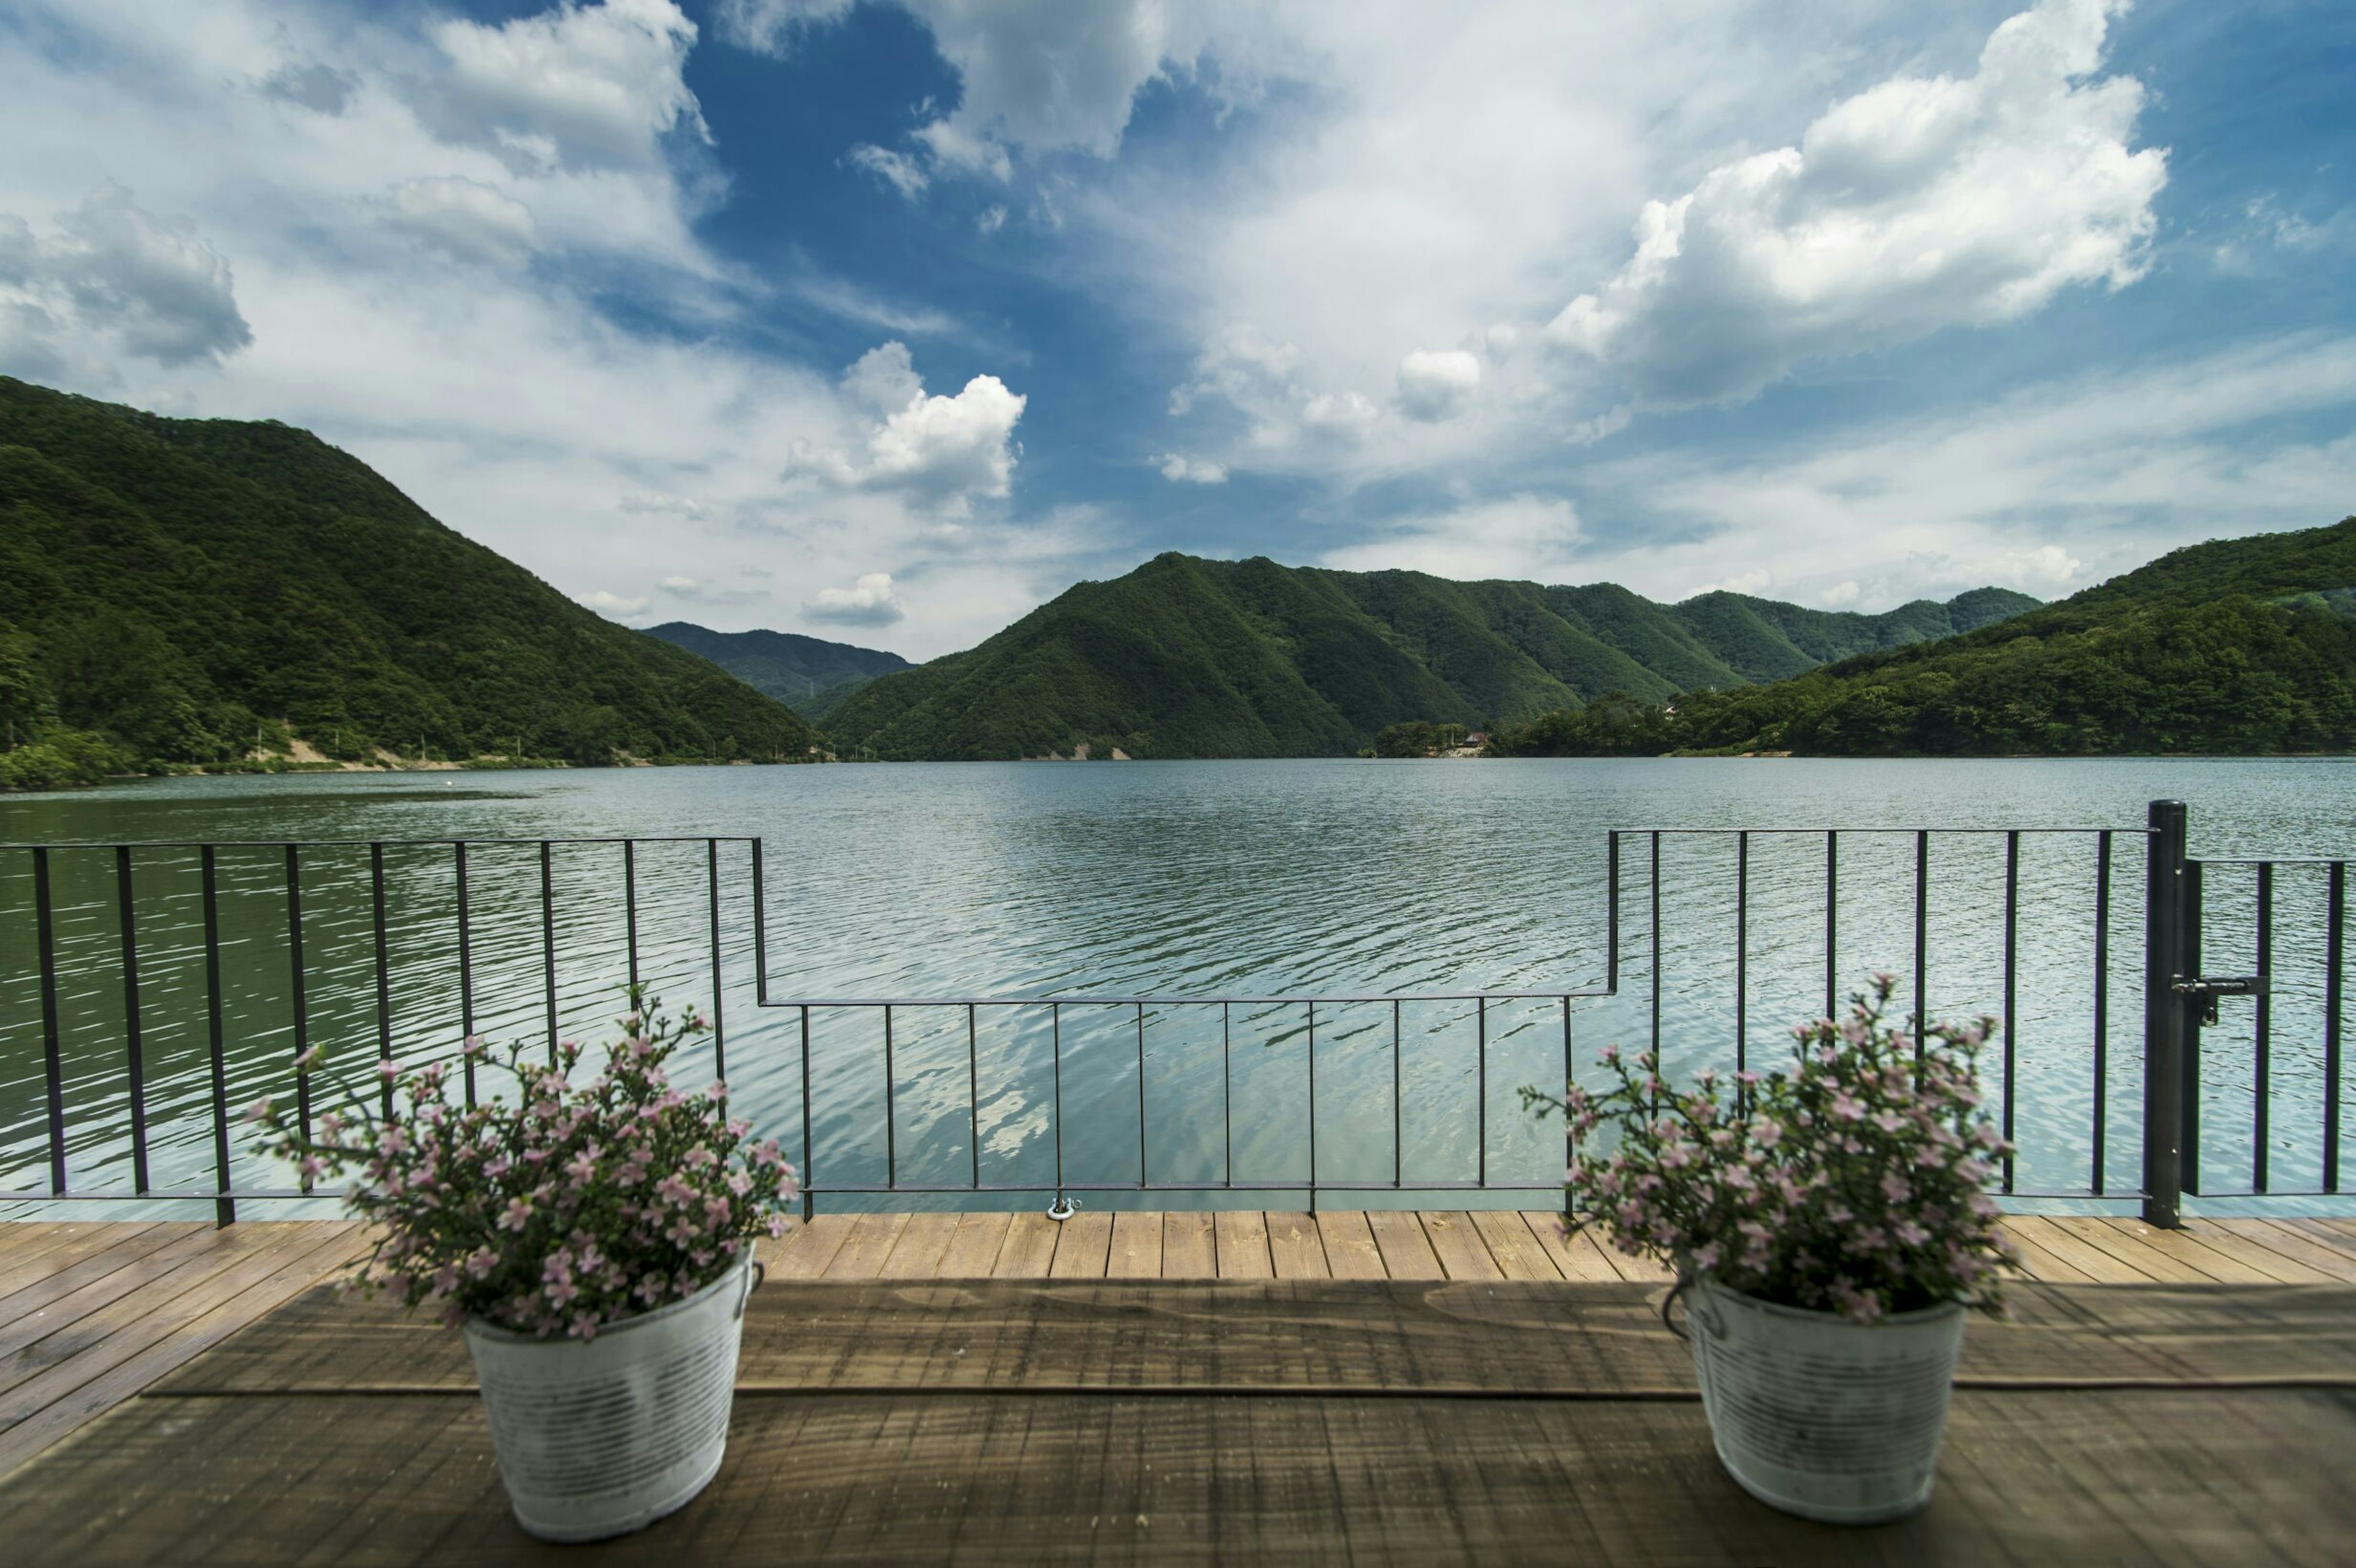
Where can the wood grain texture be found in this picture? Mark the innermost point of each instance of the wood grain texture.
(1517, 1253)
(1136, 1245)
(1350, 1249)
(1295, 1247)
(804, 1252)
(972, 1251)
(1082, 1247)
(1458, 1245)
(1407, 1251)
(1029, 1249)
(1190, 1249)
(868, 1241)
(916, 1255)
(1242, 1236)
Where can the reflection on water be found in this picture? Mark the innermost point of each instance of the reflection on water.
(1176, 880)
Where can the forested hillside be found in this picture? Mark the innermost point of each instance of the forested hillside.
(809, 674)
(2235, 646)
(185, 592)
(1186, 657)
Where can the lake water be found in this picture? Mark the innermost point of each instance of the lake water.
(1177, 880)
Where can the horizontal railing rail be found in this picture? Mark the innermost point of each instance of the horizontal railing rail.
(2176, 998)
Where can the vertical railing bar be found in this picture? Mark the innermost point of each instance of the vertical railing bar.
(1143, 1180)
(760, 930)
(52, 1047)
(2011, 970)
(383, 981)
(1611, 916)
(1313, 1107)
(2263, 1037)
(719, 1017)
(466, 972)
(630, 902)
(1481, 1087)
(1922, 938)
(891, 1120)
(2189, 1064)
(548, 941)
(224, 1206)
(1654, 955)
(1832, 922)
(973, 1086)
(1228, 1087)
(1741, 966)
(2163, 1015)
(1399, 1098)
(809, 1177)
(1569, 1134)
(135, 1054)
(302, 1011)
(2101, 1009)
(2334, 922)
(1056, 1045)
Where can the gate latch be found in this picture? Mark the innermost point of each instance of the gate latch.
(2209, 987)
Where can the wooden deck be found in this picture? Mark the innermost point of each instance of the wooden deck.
(1343, 1386)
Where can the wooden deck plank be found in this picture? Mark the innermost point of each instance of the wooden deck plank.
(1136, 1244)
(1296, 1249)
(1350, 1249)
(1407, 1250)
(107, 1279)
(1517, 1253)
(804, 1252)
(1029, 1249)
(1083, 1247)
(972, 1251)
(1243, 1244)
(44, 1252)
(869, 1243)
(917, 1253)
(2038, 1260)
(2267, 1263)
(2320, 1233)
(47, 1293)
(2077, 1250)
(2163, 1254)
(275, 1262)
(1458, 1246)
(1189, 1248)
(2299, 1245)
(1574, 1256)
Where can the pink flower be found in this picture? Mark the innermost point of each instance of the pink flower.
(516, 1216)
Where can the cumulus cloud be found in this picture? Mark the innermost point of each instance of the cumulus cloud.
(1528, 537)
(613, 606)
(321, 89)
(1437, 386)
(1920, 204)
(870, 601)
(1181, 469)
(695, 591)
(581, 86)
(940, 453)
(466, 219)
(112, 273)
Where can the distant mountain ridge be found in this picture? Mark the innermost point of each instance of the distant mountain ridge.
(182, 591)
(1190, 658)
(2240, 646)
(809, 674)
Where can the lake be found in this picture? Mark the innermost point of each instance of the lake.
(1170, 881)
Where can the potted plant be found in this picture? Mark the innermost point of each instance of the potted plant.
(1828, 1226)
(594, 1239)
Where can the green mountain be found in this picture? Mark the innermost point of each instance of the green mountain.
(2243, 646)
(809, 674)
(1186, 657)
(174, 591)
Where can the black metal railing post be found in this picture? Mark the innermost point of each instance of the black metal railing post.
(2165, 914)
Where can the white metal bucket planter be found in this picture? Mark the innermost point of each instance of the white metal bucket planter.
(602, 1436)
(1821, 1416)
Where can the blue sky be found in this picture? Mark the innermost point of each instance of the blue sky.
(888, 322)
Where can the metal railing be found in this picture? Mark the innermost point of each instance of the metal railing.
(2177, 998)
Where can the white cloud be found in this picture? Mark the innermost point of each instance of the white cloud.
(1527, 537)
(1181, 469)
(612, 605)
(699, 592)
(581, 86)
(868, 603)
(1437, 386)
(991, 220)
(941, 453)
(321, 89)
(1344, 416)
(654, 504)
(1839, 594)
(1922, 203)
(898, 170)
(467, 219)
(112, 273)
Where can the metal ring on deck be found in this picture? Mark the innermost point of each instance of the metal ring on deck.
(1063, 1208)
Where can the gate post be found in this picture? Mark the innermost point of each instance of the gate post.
(2166, 910)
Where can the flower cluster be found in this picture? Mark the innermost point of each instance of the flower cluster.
(1854, 1183)
(566, 1208)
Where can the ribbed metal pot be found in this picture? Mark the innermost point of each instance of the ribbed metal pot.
(602, 1436)
(1820, 1416)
